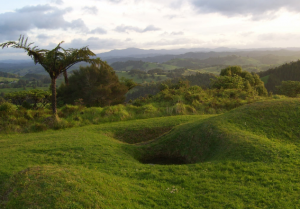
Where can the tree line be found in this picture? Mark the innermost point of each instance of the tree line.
(8, 75)
(286, 72)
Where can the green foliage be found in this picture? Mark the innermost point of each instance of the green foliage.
(286, 72)
(234, 78)
(55, 61)
(181, 99)
(6, 108)
(8, 75)
(140, 66)
(231, 71)
(97, 86)
(128, 82)
(289, 88)
(32, 99)
(156, 71)
(199, 79)
(228, 82)
(137, 72)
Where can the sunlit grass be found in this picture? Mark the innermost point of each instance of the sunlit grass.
(246, 158)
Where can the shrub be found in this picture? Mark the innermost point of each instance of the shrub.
(289, 88)
(117, 111)
(149, 108)
(6, 108)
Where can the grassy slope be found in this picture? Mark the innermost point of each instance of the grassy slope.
(265, 79)
(8, 90)
(3, 79)
(149, 66)
(136, 78)
(246, 158)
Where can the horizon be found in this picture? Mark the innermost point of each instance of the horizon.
(172, 24)
(193, 50)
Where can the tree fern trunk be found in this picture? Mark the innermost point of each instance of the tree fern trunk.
(53, 87)
(66, 78)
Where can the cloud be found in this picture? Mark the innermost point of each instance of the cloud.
(126, 29)
(150, 28)
(43, 36)
(271, 37)
(115, 1)
(95, 43)
(172, 16)
(23, 20)
(258, 9)
(90, 10)
(98, 30)
(59, 2)
(177, 33)
(174, 42)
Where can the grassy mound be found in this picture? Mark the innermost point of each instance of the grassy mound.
(263, 131)
(58, 187)
(244, 162)
(145, 130)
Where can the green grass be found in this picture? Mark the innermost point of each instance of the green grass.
(9, 90)
(265, 79)
(215, 70)
(245, 158)
(137, 79)
(3, 79)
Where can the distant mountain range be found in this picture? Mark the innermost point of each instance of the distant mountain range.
(142, 53)
(162, 56)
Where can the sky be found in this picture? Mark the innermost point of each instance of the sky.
(104, 25)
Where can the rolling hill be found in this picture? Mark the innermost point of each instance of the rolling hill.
(245, 158)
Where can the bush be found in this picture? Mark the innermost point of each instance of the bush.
(95, 86)
(289, 88)
(33, 99)
(6, 108)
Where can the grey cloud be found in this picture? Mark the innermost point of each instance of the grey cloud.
(172, 16)
(98, 31)
(38, 8)
(176, 4)
(126, 29)
(59, 2)
(151, 28)
(258, 9)
(90, 10)
(36, 17)
(43, 36)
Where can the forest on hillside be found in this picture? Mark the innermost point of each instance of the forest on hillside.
(286, 72)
